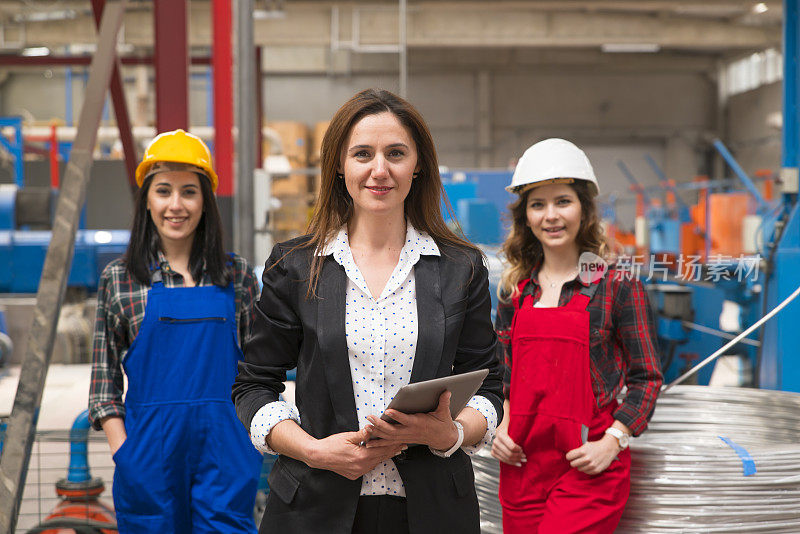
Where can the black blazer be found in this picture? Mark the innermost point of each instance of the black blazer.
(455, 336)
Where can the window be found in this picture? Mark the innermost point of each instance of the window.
(753, 71)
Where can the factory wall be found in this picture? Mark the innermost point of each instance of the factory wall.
(613, 116)
(479, 118)
(755, 140)
(611, 109)
(41, 95)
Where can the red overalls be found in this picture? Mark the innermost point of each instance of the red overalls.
(551, 400)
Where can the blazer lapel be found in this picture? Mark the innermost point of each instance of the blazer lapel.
(332, 288)
(430, 317)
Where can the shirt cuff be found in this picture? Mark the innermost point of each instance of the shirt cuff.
(486, 409)
(99, 411)
(266, 418)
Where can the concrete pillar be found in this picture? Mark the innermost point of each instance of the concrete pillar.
(680, 163)
(483, 128)
(141, 111)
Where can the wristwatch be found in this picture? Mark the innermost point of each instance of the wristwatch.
(456, 446)
(622, 437)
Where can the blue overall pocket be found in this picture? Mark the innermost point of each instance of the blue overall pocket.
(139, 474)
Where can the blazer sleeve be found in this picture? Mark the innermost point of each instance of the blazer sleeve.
(274, 343)
(477, 342)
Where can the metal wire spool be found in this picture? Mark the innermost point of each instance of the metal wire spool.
(684, 478)
(487, 483)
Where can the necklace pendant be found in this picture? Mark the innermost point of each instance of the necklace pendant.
(552, 285)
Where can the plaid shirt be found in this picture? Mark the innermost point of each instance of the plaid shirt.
(121, 303)
(623, 344)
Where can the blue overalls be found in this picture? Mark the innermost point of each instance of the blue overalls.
(187, 465)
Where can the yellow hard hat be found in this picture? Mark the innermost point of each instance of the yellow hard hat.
(177, 146)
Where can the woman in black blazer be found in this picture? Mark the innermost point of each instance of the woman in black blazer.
(379, 294)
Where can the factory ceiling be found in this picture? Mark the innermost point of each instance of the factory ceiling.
(538, 28)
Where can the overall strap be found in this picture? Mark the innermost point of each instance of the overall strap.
(525, 289)
(591, 289)
(156, 277)
(526, 292)
(581, 299)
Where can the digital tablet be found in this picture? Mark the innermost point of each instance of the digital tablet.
(423, 397)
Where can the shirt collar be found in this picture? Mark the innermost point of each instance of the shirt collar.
(418, 243)
(163, 263)
(538, 266)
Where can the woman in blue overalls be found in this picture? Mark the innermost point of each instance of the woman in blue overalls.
(172, 314)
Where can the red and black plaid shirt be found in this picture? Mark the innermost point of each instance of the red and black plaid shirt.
(623, 344)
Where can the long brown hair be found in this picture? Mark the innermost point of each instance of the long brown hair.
(334, 204)
(523, 251)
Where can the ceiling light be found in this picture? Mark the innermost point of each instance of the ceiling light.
(264, 14)
(630, 48)
(760, 7)
(45, 16)
(36, 51)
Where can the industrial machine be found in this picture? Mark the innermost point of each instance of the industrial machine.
(26, 216)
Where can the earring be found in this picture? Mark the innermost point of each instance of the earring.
(339, 175)
(415, 175)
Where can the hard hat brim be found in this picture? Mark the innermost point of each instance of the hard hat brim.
(144, 171)
(524, 188)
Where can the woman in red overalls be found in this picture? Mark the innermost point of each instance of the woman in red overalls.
(578, 332)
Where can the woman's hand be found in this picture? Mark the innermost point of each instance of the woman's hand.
(594, 457)
(114, 427)
(345, 455)
(434, 429)
(504, 448)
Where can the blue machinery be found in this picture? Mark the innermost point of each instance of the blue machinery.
(15, 147)
(780, 352)
(23, 247)
(22, 256)
(478, 199)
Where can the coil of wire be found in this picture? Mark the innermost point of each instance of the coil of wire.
(686, 478)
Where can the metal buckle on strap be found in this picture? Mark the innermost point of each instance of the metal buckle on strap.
(527, 291)
(590, 290)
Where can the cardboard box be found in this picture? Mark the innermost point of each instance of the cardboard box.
(294, 140)
(316, 141)
(291, 219)
(292, 185)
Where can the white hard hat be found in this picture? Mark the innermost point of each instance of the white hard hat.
(552, 161)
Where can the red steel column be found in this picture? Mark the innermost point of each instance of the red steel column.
(222, 61)
(172, 65)
(120, 108)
